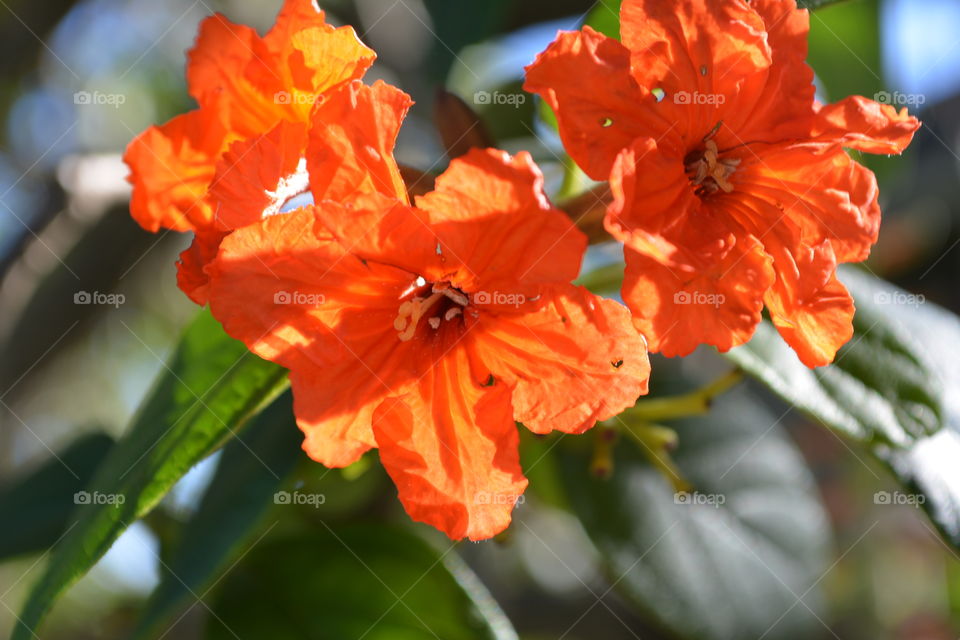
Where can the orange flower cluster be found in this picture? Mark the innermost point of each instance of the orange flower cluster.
(425, 329)
(732, 189)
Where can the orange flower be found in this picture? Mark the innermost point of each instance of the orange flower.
(731, 185)
(245, 85)
(424, 331)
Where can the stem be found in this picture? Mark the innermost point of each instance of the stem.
(655, 440)
(694, 403)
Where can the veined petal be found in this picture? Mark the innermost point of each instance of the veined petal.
(255, 177)
(451, 447)
(866, 125)
(492, 218)
(818, 188)
(171, 166)
(692, 48)
(293, 295)
(706, 288)
(574, 359)
(585, 77)
(192, 277)
(810, 307)
(351, 145)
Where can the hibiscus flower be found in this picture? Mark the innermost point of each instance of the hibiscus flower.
(425, 331)
(731, 186)
(245, 86)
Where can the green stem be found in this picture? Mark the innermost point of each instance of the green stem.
(694, 403)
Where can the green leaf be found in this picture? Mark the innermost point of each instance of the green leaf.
(728, 561)
(816, 4)
(605, 18)
(211, 386)
(878, 388)
(38, 506)
(372, 581)
(891, 387)
(242, 490)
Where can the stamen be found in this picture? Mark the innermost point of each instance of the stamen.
(452, 313)
(711, 173)
(416, 308)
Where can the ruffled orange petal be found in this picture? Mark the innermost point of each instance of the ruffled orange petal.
(705, 47)
(171, 166)
(571, 360)
(810, 307)
(709, 290)
(352, 139)
(818, 188)
(255, 177)
(191, 268)
(451, 447)
(866, 125)
(492, 218)
(585, 77)
(289, 291)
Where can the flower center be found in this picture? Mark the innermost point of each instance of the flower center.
(709, 172)
(438, 302)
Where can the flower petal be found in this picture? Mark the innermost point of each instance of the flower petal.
(818, 188)
(585, 77)
(810, 307)
(351, 142)
(191, 268)
(491, 216)
(866, 125)
(574, 359)
(171, 166)
(709, 291)
(289, 291)
(451, 447)
(255, 177)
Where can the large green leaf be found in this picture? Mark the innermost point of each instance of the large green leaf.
(211, 386)
(892, 387)
(36, 508)
(373, 581)
(241, 491)
(732, 560)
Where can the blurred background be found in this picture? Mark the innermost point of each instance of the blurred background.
(78, 79)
